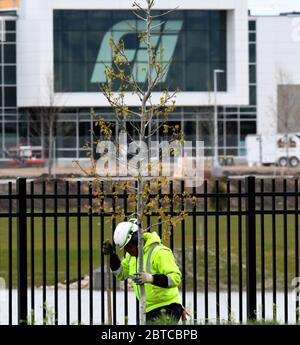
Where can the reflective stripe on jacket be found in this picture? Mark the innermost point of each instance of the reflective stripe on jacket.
(158, 259)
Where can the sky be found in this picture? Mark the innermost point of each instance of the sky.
(271, 7)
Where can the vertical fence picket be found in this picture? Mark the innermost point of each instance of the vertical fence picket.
(78, 253)
(91, 258)
(296, 203)
(22, 250)
(32, 249)
(67, 240)
(274, 262)
(126, 281)
(229, 312)
(205, 253)
(10, 271)
(285, 250)
(262, 249)
(251, 248)
(55, 255)
(217, 242)
(240, 250)
(183, 246)
(194, 246)
(44, 252)
(102, 255)
(114, 304)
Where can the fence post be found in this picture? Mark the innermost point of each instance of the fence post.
(22, 250)
(251, 248)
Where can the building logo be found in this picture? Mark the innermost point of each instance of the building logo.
(165, 41)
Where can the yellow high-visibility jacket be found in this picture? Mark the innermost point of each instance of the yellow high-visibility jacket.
(158, 259)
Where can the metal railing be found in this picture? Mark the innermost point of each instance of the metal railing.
(238, 238)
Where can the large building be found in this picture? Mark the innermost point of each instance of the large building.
(52, 55)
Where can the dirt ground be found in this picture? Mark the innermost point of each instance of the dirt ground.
(237, 170)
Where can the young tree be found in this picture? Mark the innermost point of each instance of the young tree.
(151, 117)
(44, 119)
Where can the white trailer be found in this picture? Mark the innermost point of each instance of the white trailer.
(279, 149)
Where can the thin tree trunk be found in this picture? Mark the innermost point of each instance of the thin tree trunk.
(287, 148)
(141, 180)
(142, 308)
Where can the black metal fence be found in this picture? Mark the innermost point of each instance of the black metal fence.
(238, 250)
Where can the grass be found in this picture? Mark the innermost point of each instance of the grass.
(178, 231)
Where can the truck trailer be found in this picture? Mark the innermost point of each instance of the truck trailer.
(278, 149)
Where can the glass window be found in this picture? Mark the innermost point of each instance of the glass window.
(10, 134)
(99, 20)
(66, 154)
(35, 130)
(66, 135)
(73, 46)
(58, 20)
(10, 37)
(197, 20)
(197, 46)
(74, 20)
(218, 19)
(246, 127)
(231, 134)
(252, 95)
(206, 130)
(252, 37)
(10, 75)
(9, 53)
(190, 130)
(23, 132)
(10, 25)
(197, 77)
(2, 153)
(84, 133)
(94, 40)
(10, 96)
(252, 25)
(84, 153)
(252, 52)
(175, 77)
(78, 77)
(252, 71)
(218, 50)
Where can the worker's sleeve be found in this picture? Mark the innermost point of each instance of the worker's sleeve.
(120, 268)
(115, 262)
(168, 273)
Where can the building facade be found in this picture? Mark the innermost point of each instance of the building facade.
(52, 54)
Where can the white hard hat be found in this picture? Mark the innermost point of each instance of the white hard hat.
(123, 232)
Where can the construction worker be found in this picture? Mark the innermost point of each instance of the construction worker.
(161, 274)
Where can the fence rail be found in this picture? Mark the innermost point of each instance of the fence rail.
(238, 250)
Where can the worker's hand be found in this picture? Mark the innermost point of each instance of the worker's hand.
(107, 247)
(144, 277)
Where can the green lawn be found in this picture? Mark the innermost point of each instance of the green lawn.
(73, 248)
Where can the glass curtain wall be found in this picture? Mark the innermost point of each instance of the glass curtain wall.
(8, 89)
(195, 40)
